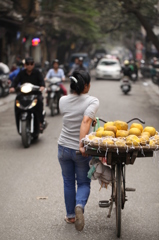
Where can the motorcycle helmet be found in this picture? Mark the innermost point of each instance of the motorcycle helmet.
(126, 62)
(80, 59)
(55, 61)
(29, 60)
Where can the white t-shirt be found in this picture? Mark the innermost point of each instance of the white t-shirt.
(51, 73)
(74, 108)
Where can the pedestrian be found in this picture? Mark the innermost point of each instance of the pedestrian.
(78, 110)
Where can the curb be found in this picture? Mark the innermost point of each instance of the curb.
(153, 92)
(152, 86)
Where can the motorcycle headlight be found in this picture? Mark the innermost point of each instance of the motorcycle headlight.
(17, 103)
(26, 89)
(34, 102)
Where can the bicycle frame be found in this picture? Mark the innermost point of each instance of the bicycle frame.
(118, 161)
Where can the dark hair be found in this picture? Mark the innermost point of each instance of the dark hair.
(78, 81)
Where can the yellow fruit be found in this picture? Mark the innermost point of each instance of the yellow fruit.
(96, 139)
(111, 128)
(144, 140)
(99, 133)
(91, 137)
(132, 140)
(137, 125)
(108, 124)
(151, 130)
(120, 142)
(156, 138)
(100, 129)
(121, 125)
(145, 133)
(108, 141)
(108, 134)
(152, 143)
(135, 131)
(122, 133)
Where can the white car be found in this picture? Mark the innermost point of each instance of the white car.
(108, 69)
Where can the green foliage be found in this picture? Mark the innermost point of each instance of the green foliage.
(75, 17)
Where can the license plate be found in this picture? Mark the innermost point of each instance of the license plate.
(107, 76)
(125, 88)
(134, 75)
(52, 95)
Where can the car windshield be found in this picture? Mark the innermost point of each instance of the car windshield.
(108, 63)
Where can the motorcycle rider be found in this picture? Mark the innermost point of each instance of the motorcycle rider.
(33, 76)
(126, 69)
(14, 73)
(80, 65)
(74, 66)
(57, 72)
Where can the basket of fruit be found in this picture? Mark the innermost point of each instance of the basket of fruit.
(117, 136)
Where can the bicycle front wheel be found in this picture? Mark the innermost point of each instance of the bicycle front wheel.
(118, 199)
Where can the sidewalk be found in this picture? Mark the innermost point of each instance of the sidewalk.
(153, 91)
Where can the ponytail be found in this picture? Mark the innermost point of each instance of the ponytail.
(78, 81)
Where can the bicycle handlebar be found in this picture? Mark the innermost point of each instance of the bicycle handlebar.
(140, 120)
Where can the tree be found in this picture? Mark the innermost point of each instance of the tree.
(70, 23)
(143, 11)
(26, 9)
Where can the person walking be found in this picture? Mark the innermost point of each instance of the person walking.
(78, 110)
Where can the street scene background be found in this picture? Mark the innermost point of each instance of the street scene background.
(27, 174)
(31, 186)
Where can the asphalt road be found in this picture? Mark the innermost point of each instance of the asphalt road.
(28, 174)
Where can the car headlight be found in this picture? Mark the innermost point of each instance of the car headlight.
(34, 102)
(26, 89)
(17, 103)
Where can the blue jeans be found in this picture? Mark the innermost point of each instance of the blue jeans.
(74, 168)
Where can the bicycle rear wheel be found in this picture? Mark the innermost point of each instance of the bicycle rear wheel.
(118, 200)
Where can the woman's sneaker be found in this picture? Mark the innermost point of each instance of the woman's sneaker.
(79, 219)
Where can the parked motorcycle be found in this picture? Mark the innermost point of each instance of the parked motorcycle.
(125, 85)
(4, 82)
(155, 75)
(53, 95)
(4, 85)
(27, 118)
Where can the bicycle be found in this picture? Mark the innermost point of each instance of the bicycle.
(118, 161)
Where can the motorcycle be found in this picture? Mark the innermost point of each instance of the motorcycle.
(4, 82)
(4, 85)
(27, 118)
(134, 77)
(125, 85)
(155, 76)
(53, 95)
